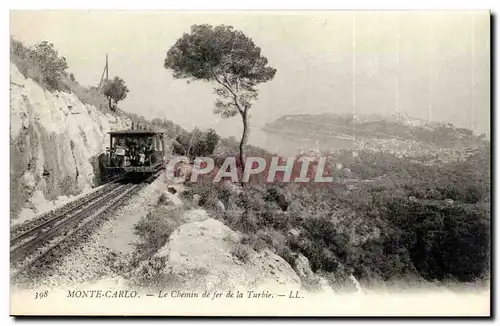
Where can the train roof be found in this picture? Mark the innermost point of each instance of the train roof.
(134, 132)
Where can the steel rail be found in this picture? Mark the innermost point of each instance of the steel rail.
(88, 215)
(71, 209)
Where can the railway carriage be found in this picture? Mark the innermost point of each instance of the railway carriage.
(134, 152)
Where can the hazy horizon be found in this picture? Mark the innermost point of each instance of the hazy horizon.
(329, 61)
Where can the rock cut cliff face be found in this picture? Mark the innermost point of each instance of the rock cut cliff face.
(55, 141)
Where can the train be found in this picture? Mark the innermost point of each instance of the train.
(133, 153)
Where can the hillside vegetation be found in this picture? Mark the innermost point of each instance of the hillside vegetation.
(392, 219)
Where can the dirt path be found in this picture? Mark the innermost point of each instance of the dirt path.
(118, 234)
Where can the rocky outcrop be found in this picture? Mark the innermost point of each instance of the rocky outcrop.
(205, 254)
(172, 199)
(309, 279)
(194, 215)
(342, 281)
(55, 141)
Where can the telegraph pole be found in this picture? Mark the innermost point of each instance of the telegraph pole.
(431, 74)
(473, 77)
(398, 72)
(107, 69)
(104, 73)
(354, 77)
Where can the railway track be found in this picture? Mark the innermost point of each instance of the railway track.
(38, 240)
(48, 219)
(48, 216)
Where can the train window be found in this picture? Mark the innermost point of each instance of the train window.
(119, 141)
(116, 141)
(156, 142)
(147, 143)
(137, 142)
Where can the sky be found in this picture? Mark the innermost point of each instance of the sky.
(430, 65)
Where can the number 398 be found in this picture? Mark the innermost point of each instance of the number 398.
(41, 295)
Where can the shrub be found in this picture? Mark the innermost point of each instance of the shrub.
(242, 252)
(162, 200)
(197, 143)
(152, 274)
(155, 228)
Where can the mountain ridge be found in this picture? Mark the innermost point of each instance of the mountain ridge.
(377, 129)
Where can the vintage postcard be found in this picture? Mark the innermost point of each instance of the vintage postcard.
(250, 163)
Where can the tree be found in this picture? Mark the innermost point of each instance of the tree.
(51, 65)
(227, 57)
(196, 143)
(157, 122)
(115, 91)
